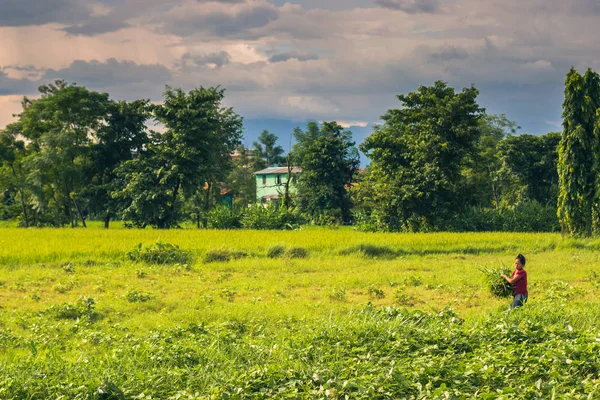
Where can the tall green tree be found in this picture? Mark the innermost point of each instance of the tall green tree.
(528, 168)
(578, 149)
(120, 139)
(418, 155)
(266, 151)
(185, 161)
(482, 169)
(329, 160)
(60, 127)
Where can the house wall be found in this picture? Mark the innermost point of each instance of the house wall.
(271, 187)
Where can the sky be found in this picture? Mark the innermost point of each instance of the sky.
(283, 63)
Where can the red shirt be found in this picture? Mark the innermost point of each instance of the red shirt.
(520, 286)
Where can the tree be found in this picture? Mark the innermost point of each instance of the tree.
(528, 168)
(418, 155)
(266, 153)
(329, 161)
(185, 161)
(241, 180)
(578, 153)
(482, 169)
(121, 139)
(12, 173)
(60, 127)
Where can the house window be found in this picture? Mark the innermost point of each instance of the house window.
(278, 179)
(264, 179)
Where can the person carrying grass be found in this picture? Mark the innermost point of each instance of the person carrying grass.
(519, 281)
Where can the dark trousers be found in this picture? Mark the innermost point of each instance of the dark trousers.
(519, 300)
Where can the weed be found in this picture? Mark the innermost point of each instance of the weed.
(297, 252)
(403, 299)
(133, 296)
(338, 295)
(69, 268)
(275, 251)
(161, 253)
(63, 287)
(141, 274)
(376, 293)
(413, 281)
(228, 294)
(371, 251)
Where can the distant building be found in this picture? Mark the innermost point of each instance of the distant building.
(270, 182)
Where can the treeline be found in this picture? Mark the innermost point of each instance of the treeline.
(438, 162)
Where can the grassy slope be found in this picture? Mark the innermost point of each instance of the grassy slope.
(328, 290)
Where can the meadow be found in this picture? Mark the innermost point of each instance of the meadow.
(313, 313)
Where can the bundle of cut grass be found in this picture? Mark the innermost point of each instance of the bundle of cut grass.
(499, 287)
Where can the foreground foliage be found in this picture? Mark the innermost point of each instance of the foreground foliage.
(539, 352)
(294, 314)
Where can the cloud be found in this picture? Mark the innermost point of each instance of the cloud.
(10, 86)
(96, 26)
(221, 19)
(35, 12)
(189, 61)
(282, 57)
(109, 73)
(411, 6)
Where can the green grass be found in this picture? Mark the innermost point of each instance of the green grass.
(368, 315)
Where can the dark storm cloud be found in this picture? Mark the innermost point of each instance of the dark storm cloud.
(96, 26)
(39, 12)
(10, 86)
(222, 22)
(411, 6)
(110, 73)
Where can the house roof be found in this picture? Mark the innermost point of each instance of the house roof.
(277, 170)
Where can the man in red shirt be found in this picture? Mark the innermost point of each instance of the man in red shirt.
(519, 282)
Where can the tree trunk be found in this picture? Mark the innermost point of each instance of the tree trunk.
(22, 193)
(206, 204)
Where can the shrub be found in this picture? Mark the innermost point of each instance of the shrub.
(161, 253)
(133, 296)
(527, 216)
(371, 251)
(271, 217)
(224, 218)
(275, 251)
(83, 308)
(222, 255)
(297, 252)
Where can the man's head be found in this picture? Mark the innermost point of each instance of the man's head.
(520, 261)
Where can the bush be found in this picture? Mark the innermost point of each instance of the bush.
(222, 255)
(161, 253)
(297, 252)
(371, 251)
(275, 251)
(527, 216)
(84, 308)
(224, 218)
(271, 217)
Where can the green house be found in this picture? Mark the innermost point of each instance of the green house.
(270, 182)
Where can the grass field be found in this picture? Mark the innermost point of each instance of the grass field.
(351, 314)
